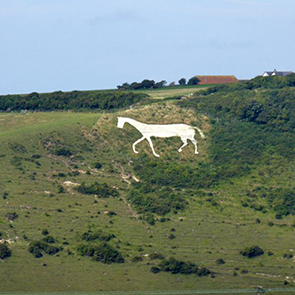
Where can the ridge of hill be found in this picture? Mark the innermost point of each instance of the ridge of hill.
(76, 202)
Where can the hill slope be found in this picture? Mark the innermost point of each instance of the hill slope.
(76, 202)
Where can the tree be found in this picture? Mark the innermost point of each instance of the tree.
(135, 85)
(146, 84)
(193, 81)
(182, 81)
(124, 86)
(160, 84)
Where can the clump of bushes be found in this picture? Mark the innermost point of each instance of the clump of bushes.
(5, 252)
(148, 198)
(38, 247)
(180, 267)
(63, 151)
(97, 236)
(156, 255)
(101, 190)
(102, 252)
(252, 251)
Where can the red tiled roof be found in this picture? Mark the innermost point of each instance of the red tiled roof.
(216, 79)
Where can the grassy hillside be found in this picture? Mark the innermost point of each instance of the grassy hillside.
(79, 210)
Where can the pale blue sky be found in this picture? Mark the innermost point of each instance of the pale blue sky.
(48, 45)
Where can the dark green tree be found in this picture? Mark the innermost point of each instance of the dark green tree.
(182, 81)
(193, 81)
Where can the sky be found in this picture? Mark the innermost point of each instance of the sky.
(50, 45)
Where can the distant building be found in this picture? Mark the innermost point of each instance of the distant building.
(276, 73)
(216, 79)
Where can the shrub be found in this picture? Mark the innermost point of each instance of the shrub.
(136, 259)
(62, 151)
(252, 251)
(155, 269)
(97, 165)
(101, 190)
(102, 252)
(4, 251)
(60, 189)
(220, 261)
(97, 236)
(288, 256)
(45, 232)
(156, 255)
(175, 266)
(49, 239)
(37, 247)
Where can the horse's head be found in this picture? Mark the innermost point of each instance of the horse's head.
(120, 122)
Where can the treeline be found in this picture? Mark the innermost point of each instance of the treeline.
(151, 84)
(145, 84)
(104, 100)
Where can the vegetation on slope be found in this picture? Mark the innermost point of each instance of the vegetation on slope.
(74, 100)
(206, 208)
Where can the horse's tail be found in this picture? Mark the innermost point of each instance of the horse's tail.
(200, 131)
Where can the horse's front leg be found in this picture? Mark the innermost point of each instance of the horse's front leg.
(136, 142)
(152, 147)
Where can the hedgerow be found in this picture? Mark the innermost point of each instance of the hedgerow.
(103, 100)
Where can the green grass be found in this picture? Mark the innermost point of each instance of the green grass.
(204, 231)
(172, 91)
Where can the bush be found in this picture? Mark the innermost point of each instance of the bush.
(136, 259)
(101, 252)
(4, 251)
(45, 232)
(97, 165)
(252, 251)
(220, 261)
(37, 247)
(101, 190)
(156, 255)
(49, 240)
(97, 236)
(175, 266)
(62, 151)
(155, 269)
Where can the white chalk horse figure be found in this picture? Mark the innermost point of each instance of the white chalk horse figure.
(184, 131)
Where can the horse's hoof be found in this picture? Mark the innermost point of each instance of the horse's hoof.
(157, 155)
(179, 150)
(136, 152)
(196, 153)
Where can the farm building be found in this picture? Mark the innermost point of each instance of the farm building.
(276, 73)
(216, 79)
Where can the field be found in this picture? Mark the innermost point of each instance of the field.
(44, 155)
(173, 91)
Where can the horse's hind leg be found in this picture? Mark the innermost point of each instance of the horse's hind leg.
(184, 140)
(152, 147)
(195, 144)
(136, 142)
